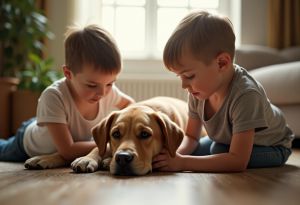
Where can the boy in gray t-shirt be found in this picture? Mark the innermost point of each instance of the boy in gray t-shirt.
(244, 129)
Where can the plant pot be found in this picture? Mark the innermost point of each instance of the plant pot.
(23, 107)
(7, 87)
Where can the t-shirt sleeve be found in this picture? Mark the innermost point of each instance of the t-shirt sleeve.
(193, 111)
(115, 95)
(51, 108)
(248, 113)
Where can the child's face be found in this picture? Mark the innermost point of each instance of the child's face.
(89, 84)
(199, 79)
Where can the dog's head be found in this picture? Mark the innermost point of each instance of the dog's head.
(136, 135)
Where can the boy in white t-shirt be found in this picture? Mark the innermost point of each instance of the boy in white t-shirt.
(70, 107)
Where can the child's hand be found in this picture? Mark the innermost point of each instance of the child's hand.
(164, 162)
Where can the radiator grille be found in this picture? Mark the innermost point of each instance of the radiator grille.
(141, 89)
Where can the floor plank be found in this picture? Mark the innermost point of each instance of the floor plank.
(62, 186)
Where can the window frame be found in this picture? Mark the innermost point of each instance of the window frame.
(150, 61)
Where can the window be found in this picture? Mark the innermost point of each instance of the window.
(142, 27)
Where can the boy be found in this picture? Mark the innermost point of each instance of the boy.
(70, 107)
(245, 130)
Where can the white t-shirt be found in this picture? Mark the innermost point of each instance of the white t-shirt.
(56, 105)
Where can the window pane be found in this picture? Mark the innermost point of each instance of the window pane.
(130, 28)
(206, 4)
(108, 18)
(167, 20)
(213, 11)
(131, 2)
(172, 3)
(124, 2)
(108, 2)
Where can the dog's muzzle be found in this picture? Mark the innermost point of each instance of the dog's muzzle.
(123, 161)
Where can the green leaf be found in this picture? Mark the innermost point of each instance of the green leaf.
(23, 27)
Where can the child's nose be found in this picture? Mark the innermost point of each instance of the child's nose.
(100, 91)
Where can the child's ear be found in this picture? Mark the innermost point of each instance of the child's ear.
(224, 60)
(67, 72)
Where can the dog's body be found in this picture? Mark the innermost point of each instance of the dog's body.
(134, 136)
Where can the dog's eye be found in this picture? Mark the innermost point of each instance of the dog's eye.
(144, 135)
(116, 134)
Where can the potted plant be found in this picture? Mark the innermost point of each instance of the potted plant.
(23, 30)
(33, 81)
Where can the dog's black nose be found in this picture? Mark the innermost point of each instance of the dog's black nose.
(124, 158)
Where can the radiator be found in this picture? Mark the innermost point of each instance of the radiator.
(141, 89)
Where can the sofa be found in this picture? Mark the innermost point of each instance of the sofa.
(279, 73)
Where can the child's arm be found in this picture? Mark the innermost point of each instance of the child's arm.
(64, 143)
(190, 141)
(235, 160)
(125, 101)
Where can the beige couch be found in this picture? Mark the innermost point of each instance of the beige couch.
(279, 73)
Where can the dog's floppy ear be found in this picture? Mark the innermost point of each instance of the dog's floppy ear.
(172, 133)
(101, 133)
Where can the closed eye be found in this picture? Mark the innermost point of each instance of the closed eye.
(91, 86)
(189, 77)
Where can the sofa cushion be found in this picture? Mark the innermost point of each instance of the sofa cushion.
(292, 113)
(281, 82)
(255, 56)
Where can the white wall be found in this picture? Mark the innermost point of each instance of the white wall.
(60, 15)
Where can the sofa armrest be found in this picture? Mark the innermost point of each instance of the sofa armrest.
(281, 82)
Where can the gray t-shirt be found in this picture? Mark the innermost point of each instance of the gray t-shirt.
(245, 107)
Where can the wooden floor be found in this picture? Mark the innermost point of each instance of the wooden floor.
(63, 187)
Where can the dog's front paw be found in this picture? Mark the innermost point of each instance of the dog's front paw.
(34, 163)
(84, 165)
(105, 164)
(45, 162)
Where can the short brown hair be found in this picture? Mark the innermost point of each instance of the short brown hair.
(205, 35)
(94, 46)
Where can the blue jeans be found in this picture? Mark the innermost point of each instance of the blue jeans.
(261, 156)
(12, 149)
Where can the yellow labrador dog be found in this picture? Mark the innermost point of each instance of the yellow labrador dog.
(133, 136)
(127, 140)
